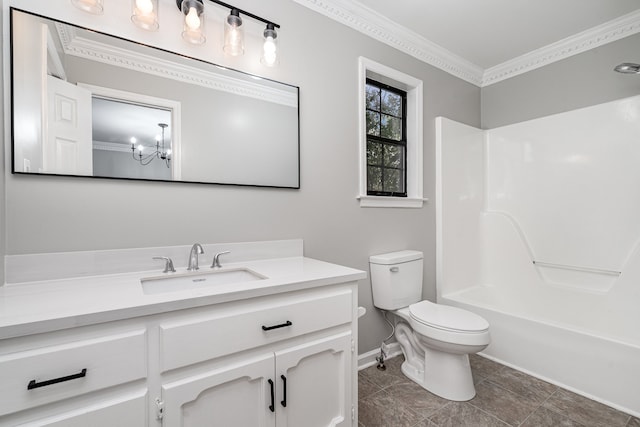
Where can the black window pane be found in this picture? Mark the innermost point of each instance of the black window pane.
(391, 103)
(374, 179)
(394, 156)
(393, 182)
(374, 153)
(391, 127)
(373, 123)
(373, 98)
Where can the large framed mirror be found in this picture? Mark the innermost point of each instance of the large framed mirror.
(89, 104)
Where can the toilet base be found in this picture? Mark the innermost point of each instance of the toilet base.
(444, 374)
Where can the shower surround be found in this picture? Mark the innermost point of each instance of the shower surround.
(538, 232)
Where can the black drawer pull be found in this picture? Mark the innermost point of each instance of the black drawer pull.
(272, 406)
(282, 325)
(283, 402)
(33, 384)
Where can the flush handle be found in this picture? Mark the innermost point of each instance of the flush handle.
(394, 269)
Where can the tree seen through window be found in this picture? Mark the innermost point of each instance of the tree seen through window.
(386, 140)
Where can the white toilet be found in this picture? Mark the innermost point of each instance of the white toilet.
(436, 339)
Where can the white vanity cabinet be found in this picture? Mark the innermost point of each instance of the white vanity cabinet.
(275, 361)
(259, 359)
(74, 378)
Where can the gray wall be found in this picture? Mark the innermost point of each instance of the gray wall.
(52, 214)
(578, 81)
(120, 164)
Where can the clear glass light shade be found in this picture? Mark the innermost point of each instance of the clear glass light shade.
(193, 29)
(233, 35)
(144, 13)
(270, 47)
(92, 6)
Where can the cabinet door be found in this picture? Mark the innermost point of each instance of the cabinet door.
(314, 383)
(237, 394)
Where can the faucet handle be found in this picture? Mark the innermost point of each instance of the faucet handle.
(168, 264)
(216, 259)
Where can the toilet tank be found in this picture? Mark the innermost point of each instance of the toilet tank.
(396, 279)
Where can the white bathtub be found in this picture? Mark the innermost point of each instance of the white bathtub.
(532, 335)
(538, 232)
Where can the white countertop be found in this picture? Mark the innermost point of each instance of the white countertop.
(43, 306)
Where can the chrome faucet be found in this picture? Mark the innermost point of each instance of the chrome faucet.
(216, 259)
(168, 264)
(196, 249)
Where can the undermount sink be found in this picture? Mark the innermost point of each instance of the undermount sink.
(197, 280)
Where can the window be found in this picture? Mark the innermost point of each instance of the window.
(390, 137)
(386, 140)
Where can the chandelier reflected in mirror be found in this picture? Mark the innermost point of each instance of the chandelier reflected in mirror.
(140, 152)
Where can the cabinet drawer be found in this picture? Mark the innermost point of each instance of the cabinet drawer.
(48, 374)
(226, 331)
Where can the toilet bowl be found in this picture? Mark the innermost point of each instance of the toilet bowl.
(436, 340)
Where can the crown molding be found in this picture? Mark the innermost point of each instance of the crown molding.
(112, 146)
(359, 17)
(375, 25)
(608, 32)
(75, 45)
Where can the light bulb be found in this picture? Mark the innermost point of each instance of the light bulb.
(140, 148)
(169, 152)
(133, 140)
(270, 46)
(233, 34)
(269, 51)
(144, 13)
(192, 20)
(144, 6)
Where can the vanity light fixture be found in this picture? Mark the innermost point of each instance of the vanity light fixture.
(159, 153)
(144, 13)
(193, 11)
(92, 6)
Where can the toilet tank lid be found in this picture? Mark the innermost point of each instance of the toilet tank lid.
(395, 257)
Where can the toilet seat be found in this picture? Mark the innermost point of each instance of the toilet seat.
(447, 318)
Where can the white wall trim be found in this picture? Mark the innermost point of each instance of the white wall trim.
(359, 17)
(608, 32)
(377, 26)
(109, 146)
(92, 50)
(414, 88)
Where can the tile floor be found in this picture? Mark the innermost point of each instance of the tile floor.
(505, 397)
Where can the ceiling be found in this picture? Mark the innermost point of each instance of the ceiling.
(490, 32)
(485, 41)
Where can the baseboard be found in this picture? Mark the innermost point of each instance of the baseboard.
(369, 358)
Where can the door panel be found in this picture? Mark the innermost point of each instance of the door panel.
(68, 145)
(318, 383)
(237, 394)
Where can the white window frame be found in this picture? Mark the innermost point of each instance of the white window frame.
(383, 74)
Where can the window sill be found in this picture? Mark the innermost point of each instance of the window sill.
(390, 202)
